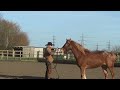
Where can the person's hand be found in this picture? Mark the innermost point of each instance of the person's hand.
(44, 58)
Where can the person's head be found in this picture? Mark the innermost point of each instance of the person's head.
(49, 44)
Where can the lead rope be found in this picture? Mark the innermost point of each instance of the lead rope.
(56, 66)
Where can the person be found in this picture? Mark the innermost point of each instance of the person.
(48, 54)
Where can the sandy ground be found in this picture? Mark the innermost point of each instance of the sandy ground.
(35, 70)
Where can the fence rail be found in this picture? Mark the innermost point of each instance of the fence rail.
(20, 55)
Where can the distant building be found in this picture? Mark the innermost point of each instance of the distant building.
(58, 51)
(38, 52)
(29, 51)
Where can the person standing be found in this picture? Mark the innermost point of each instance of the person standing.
(48, 54)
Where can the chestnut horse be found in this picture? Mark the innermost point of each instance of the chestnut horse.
(87, 59)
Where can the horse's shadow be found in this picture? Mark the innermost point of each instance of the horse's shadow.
(20, 77)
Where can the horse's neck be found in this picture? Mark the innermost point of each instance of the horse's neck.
(76, 52)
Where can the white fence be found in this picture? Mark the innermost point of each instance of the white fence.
(11, 54)
(20, 55)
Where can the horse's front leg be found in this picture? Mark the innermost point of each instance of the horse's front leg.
(83, 73)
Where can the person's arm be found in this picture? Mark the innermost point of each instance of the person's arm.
(49, 51)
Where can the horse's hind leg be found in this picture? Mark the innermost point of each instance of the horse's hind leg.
(104, 68)
(111, 71)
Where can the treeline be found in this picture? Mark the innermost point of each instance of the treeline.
(11, 35)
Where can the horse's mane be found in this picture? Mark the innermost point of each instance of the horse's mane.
(98, 51)
(88, 51)
(79, 46)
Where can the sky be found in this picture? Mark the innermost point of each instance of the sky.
(97, 27)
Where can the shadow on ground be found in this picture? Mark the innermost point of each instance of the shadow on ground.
(20, 77)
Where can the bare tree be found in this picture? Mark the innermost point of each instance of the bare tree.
(116, 49)
(22, 38)
(11, 35)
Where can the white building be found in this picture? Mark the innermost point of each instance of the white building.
(29, 51)
(58, 51)
(38, 52)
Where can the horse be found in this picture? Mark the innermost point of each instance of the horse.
(87, 59)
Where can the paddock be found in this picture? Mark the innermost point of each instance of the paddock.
(36, 70)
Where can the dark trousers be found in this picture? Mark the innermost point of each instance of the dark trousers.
(48, 70)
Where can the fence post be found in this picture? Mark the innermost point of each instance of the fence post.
(13, 54)
(2, 55)
(20, 55)
(38, 54)
(7, 54)
(29, 56)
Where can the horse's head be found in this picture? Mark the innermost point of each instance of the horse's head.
(67, 46)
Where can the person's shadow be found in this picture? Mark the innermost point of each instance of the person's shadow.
(20, 77)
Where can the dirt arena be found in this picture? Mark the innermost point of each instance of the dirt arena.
(35, 70)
